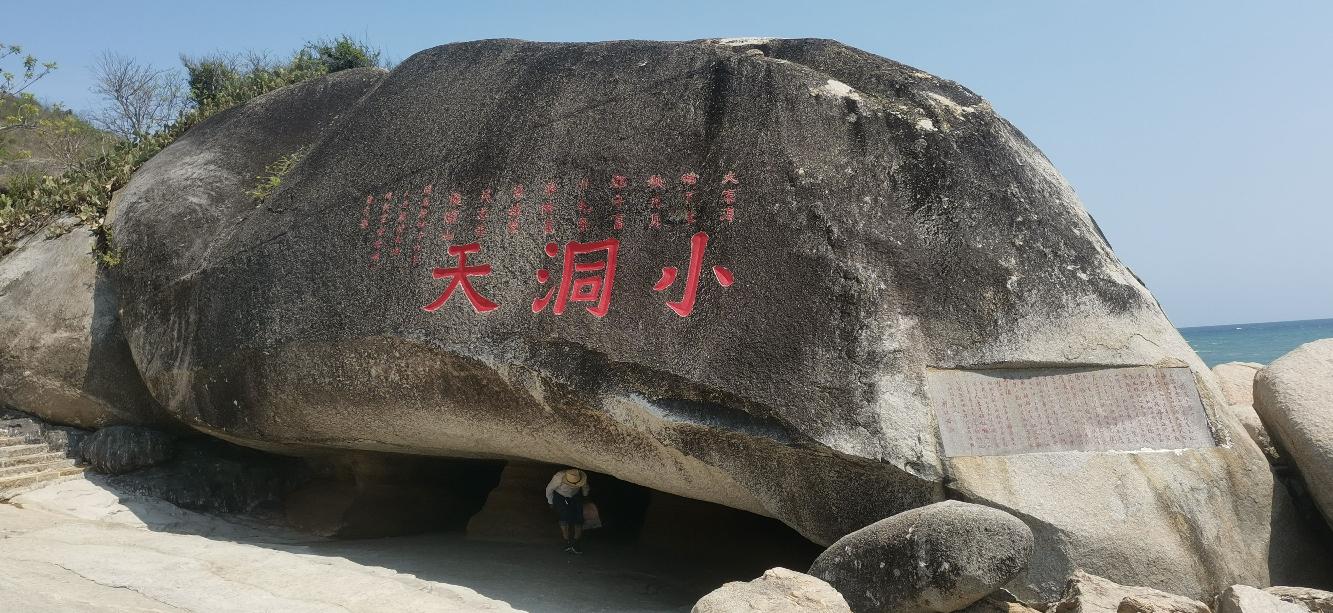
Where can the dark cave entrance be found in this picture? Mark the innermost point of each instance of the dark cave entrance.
(490, 501)
(656, 523)
(723, 542)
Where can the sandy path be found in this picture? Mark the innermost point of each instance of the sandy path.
(77, 546)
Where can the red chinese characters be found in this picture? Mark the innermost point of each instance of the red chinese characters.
(685, 306)
(576, 282)
(458, 277)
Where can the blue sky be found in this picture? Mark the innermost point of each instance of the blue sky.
(1197, 133)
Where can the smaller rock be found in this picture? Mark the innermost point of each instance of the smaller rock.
(1000, 601)
(1249, 419)
(1160, 603)
(1317, 601)
(940, 557)
(1294, 398)
(1087, 593)
(1237, 381)
(778, 591)
(116, 450)
(1246, 599)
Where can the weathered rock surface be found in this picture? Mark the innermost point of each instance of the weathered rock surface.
(1294, 397)
(1317, 601)
(1087, 593)
(1237, 381)
(778, 591)
(1246, 599)
(1001, 601)
(941, 557)
(1254, 427)
(62, 354)
(120, 449)
(867, 221)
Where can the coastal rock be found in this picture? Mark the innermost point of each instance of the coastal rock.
(1294, 397)
(120, 449)
(1000, 601)
(1317, 601)
(1254, 427)
(1237, 381)
(941, 557)
(1087, 593)
(778, 591)
(803, 232)
(1246, 599)
(62, 354)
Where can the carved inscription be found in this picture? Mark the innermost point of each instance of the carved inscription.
(1003, 412)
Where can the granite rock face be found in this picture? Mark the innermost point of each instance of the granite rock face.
(1085, 593)
(1316, 601)
(1237, 381)
(1246, 599)
(801, 230)
(778, 590)
(1294, 397)
(62, 354)
(941, 557)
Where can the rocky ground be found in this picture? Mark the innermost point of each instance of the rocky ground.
(81, 545)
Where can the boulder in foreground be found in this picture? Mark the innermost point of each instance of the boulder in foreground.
(1246, 599)
(778, 590)
(1317, 601)
(116, 450)
(941, 557)
(1087, 593)
(1294, 397)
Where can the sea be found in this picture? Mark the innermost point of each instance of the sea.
(1261, 342)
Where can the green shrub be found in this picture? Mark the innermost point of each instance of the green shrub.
(343, 53)
(216, 83)
(273, 174)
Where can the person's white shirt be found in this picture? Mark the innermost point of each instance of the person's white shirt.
(558, 486)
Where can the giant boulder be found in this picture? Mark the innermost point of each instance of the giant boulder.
(941, 557)
(62, 354)
(1294, 397)
(803, 233)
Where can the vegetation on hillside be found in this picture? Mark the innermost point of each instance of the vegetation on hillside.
(215, 83)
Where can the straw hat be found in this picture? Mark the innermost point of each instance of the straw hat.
(575, 477)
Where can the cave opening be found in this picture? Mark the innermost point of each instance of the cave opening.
(476, 504)
(737, 545)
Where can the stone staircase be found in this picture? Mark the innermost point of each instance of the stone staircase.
(28, 459)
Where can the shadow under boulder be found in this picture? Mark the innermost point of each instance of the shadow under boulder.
(367, 495)
(121, 449)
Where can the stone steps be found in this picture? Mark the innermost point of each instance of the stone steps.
(32, 458)
(25, 465)
(17, 481)
(11, 451)
(35, 467)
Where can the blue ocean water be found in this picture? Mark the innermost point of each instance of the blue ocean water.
(1263, 342)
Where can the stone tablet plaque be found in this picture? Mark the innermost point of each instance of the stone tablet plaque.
(1003, 412)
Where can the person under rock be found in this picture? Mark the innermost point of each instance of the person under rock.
(565, 494)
